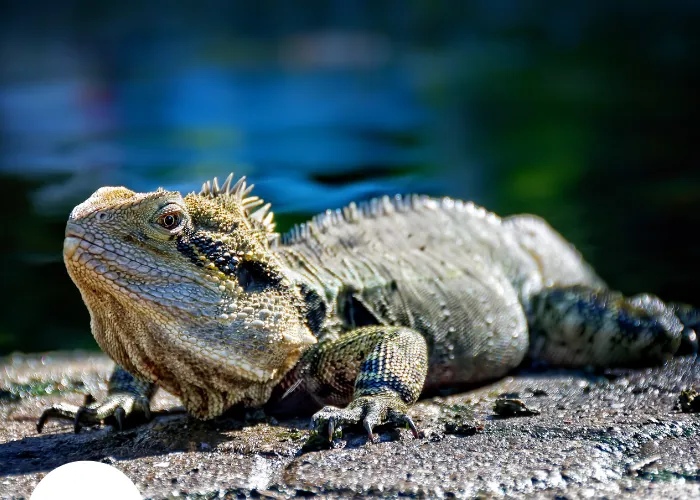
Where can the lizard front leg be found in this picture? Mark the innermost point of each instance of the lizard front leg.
(127, 396)
(380, 370)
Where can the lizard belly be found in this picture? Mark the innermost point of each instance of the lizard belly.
(475, 327)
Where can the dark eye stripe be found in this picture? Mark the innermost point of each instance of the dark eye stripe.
(215, 252)
(251, 275)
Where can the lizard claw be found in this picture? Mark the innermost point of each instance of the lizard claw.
(412, 426)
(145, 406)
(331, 428)
(119, 416)
(45, 415)
(367, 411)
(61, 411)
(368, 427)
(117, 406)
(329, 420)
(76, 420)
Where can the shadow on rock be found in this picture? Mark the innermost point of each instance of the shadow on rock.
(166, 433)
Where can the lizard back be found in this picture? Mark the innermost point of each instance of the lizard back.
(448, 269)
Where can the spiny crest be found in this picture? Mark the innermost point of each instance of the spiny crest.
(380, 207)
(255, 208)
(353, 213)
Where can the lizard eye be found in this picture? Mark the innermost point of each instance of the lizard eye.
(170, 221)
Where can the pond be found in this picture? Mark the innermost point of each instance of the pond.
(585, 114)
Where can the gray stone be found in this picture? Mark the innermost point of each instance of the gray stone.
(612, 434)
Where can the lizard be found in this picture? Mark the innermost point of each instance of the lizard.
(359, 310)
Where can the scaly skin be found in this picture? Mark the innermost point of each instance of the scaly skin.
(366, 306)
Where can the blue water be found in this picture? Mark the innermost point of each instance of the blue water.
(291, 132)
(585, 113)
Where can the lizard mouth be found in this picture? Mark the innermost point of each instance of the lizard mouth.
(70, 245)
(74, 235)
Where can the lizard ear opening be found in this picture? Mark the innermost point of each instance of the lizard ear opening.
(254, 276)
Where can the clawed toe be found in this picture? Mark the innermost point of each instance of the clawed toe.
(368, 412)
(329, 420)
(58, 411)
(82, 413)
(331, 428)
(120, 416)
(411, 426)
(118, 407)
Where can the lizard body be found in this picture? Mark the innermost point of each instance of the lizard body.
(367, 306)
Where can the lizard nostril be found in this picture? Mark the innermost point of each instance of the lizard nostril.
(101, 216)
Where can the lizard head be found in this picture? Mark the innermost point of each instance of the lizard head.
(187, 291)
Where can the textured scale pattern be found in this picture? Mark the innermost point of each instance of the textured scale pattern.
(364, 307)
(395, 365)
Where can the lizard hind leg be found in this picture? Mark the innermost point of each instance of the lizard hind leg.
(380, 369)
(578, 326)
(690, 317)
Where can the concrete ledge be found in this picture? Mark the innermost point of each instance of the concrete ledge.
(616, 434)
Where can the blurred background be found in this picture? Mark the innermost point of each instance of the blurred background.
(584, 112)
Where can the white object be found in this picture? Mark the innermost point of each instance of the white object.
(86, 481)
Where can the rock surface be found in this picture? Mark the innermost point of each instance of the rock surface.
(613, 434)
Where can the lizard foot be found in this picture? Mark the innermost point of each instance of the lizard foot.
(368, 411)
(116, 406)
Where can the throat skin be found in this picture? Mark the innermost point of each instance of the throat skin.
(151, 347)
